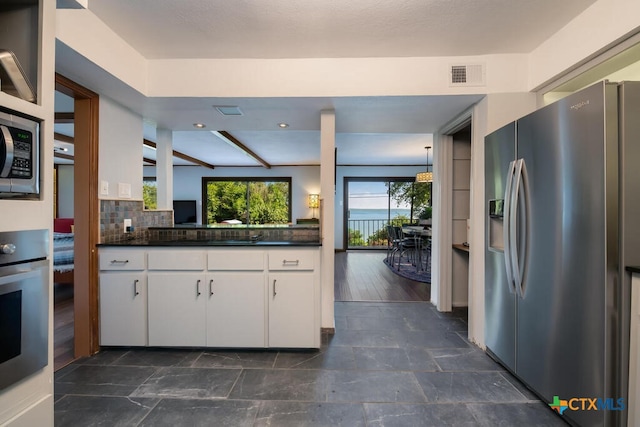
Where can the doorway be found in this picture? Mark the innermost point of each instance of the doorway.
(84, 118)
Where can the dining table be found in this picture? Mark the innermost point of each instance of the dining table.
(422, 241)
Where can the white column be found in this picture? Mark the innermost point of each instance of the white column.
(164, 168)
(477, 233)
(442, 214)
(328, 197)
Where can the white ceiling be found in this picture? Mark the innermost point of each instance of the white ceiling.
(370, 130)
(333, 28)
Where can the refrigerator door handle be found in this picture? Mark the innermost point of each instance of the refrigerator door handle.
(518, 229)
(524, 230)
(507, 226)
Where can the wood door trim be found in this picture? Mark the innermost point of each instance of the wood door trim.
(86, 215)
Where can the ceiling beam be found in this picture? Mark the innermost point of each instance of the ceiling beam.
(63, 138)
(181, 155)
(63, 117)
(153, 162)
(230, 139)
(63, 156)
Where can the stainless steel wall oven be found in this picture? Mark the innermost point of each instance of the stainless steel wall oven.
(24, 304)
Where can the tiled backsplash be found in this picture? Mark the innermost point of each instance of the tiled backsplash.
(158, 225)
(114, 212)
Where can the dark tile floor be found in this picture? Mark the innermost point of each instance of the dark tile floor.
(389, 364)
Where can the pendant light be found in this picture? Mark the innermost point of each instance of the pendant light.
(428, 175)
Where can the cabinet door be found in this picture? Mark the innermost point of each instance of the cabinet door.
(177, 309)
(236, 309)
(291, 310)
(123, 309)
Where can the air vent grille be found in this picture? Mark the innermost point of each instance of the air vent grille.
(228, 110)
(467, 75)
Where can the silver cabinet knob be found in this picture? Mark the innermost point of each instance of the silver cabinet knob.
(7, 248)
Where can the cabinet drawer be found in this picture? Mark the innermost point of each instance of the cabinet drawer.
(292, 260)
(240, 259)
(176, 259)
(122, 259)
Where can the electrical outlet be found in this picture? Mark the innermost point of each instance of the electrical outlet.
(104, 188)
(127, 225)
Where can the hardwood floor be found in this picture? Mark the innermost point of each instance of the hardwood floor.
(63, 325)
(362, 276)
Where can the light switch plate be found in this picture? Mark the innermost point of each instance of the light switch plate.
(104, 188)
(124, 190)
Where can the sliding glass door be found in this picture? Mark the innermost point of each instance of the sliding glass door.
(373, 203)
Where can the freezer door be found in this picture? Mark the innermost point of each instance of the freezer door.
(500, 303)
(561, 319)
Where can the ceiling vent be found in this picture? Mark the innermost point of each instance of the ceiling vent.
(228, 110)
(467, 75)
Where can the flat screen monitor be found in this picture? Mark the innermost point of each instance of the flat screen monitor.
(184, 212)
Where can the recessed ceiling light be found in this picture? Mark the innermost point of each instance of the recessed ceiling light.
(283, 125)
(60, 149)
(228, 110)
(199, 125)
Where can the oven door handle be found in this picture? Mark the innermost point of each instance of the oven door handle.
(19, 276)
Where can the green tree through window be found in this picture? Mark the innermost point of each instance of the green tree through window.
(150, 192)
(247, 200)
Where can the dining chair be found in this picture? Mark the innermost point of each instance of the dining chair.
(425, 253)
(408, 247)
(393, 243)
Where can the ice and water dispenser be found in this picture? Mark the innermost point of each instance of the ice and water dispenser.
(495, 230)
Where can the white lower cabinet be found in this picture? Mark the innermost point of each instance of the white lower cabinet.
(214, 310)
(177, 309)
(123, 297)
(174, 297)
(294, 297)
(236, 309)
(292, 310)
(123, 308)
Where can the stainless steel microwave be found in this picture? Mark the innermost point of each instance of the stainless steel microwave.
(19, 157)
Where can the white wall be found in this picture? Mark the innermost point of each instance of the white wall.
(120, 152)
(65, 191)
(89, 36)
(593, 31)
(365, 171)
(187, 183)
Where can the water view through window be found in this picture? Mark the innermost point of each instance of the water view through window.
(372, 204)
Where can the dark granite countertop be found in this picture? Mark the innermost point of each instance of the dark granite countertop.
(633, 268)
(206, 243)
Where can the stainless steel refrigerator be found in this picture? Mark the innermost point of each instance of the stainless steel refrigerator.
(562, 190)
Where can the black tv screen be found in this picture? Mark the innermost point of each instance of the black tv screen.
(184, 212)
